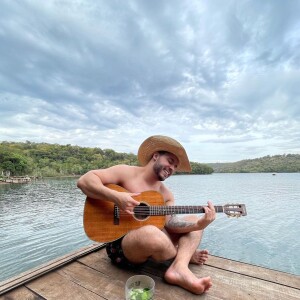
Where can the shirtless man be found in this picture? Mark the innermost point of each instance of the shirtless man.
(159, 157)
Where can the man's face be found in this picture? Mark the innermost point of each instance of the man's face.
(165, 165)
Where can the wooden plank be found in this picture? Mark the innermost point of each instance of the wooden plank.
(109, 281)
(107, 285)
(255, 271)
(45, 268)
(20, 293)
(93, 277)
(232, 285)
(53, 286)
(226, 284)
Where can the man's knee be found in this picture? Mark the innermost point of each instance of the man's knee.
(150, 230)
(151, 236)
(144, 236)
(148, 241)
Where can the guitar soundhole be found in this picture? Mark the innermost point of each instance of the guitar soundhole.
(141, 212)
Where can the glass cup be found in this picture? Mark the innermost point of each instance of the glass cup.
(139, 287)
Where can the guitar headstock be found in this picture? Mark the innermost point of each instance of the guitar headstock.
(235, 210)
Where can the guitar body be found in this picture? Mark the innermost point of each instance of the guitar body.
(100, 222)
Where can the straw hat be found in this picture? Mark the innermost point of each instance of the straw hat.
(163, 143)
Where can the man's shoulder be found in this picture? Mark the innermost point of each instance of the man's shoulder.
(125, 167)
(127, 171)
(129, 167)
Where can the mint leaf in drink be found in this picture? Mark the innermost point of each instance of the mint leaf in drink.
(140, 294)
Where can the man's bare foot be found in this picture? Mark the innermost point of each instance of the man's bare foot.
(199, 257)
(182, 276)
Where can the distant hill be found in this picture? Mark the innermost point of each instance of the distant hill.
(43, 160)
(273, 164)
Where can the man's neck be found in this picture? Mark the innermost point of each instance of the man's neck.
(150, 178)
(140, 179)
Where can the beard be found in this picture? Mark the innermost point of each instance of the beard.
(158, 168)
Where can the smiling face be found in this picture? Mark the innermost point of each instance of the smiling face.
(165, 164)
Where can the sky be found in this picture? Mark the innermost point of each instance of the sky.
(221, 77)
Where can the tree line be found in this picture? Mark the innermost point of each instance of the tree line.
(287, 163)
(51, 160)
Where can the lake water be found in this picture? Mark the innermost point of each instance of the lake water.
(42, 220)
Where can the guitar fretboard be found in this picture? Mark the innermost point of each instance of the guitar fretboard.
(172, 210)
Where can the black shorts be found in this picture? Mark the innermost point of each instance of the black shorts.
(115, 253)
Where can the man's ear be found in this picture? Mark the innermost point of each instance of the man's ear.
(155, 156)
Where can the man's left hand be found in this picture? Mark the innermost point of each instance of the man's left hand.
(210, 215)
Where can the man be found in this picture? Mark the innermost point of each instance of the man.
(160, 157)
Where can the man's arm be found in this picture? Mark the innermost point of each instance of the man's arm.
(93, 184)
(174, 224)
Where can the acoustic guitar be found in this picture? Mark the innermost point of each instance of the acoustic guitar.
(104, 222)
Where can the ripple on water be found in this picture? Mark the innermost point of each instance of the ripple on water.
(42, 220)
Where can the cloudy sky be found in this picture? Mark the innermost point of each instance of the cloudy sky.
(222, 77)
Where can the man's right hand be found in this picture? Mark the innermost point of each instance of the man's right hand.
(126, 203)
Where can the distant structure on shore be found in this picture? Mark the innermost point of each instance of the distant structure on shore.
(16, 179)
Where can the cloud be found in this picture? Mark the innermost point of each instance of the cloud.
(223, 78)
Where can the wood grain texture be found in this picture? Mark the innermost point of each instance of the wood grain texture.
(98, 217)
(94, 277)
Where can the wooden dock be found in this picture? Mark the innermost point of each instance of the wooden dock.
(88, 274)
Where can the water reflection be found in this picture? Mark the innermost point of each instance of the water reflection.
(42, 220)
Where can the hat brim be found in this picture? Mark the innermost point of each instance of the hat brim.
(163, 143)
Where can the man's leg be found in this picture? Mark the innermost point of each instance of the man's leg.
(179, 273)
(199, 257)
(148, 241)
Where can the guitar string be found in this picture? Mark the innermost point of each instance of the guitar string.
(176, 208)
(121, 213)
(169, 210)
(152, 210)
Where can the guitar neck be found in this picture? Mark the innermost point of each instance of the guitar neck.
(174, 210)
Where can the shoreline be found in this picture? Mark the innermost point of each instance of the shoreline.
(29, 179)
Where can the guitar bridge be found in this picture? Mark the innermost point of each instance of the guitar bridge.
(116, 215)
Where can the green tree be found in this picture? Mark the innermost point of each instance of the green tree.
(14, 163)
